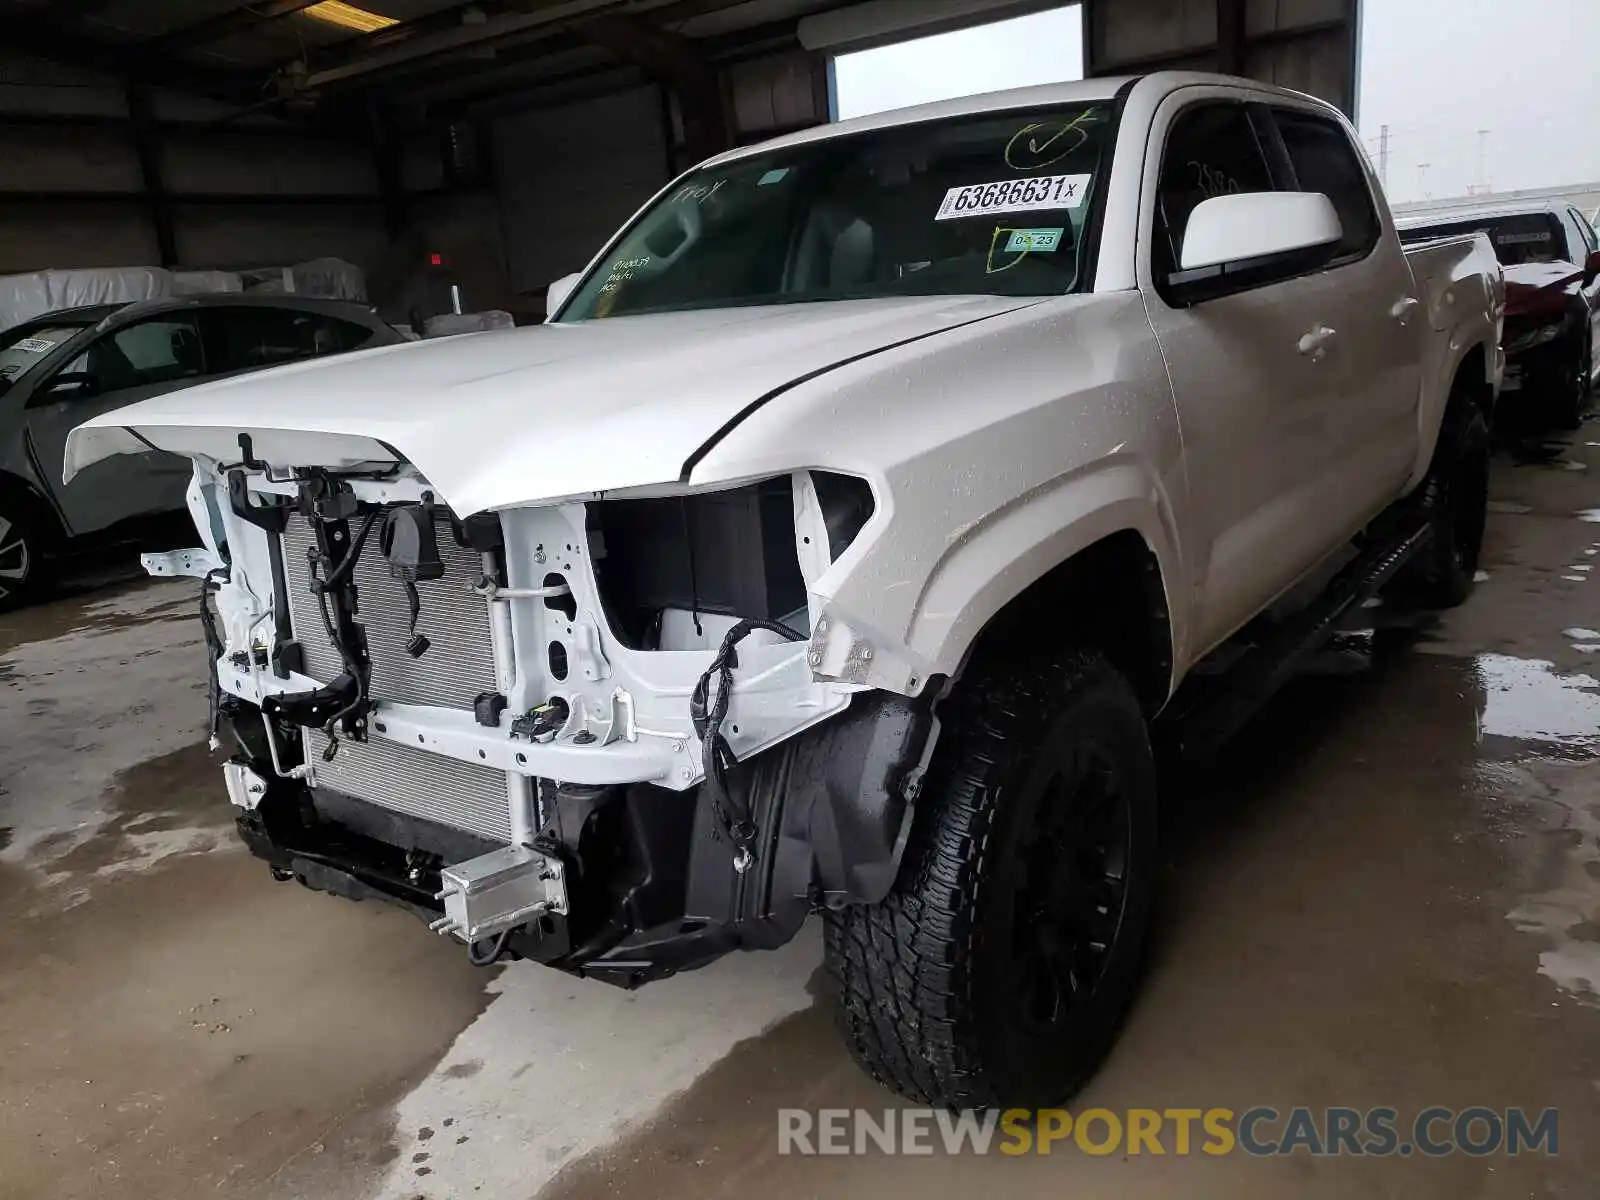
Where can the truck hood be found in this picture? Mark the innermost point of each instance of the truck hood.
(522, 416)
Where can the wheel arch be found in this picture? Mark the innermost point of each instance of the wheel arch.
(1097, 548)
(1473, 372)
(16, 488)
(1108, 596)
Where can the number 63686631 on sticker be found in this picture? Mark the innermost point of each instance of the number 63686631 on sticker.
(1013, 195)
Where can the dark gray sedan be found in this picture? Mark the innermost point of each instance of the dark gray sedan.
(60, 369)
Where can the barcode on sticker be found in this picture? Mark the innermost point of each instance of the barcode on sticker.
(34, 345)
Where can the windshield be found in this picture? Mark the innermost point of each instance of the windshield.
(995, 204)
(23, 348)
(1523, 238)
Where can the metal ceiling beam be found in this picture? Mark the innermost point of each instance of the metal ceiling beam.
(147, 144)
(237, 20)
(1232, 42)
(37, 33)
(397, 51)
(423, 44)
(477, 94)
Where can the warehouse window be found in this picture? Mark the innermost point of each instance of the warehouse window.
(1042, 47)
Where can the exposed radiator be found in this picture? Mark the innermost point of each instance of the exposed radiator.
(458, 666)
(431, 786)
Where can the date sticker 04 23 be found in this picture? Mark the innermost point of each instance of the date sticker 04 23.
(1024, 240)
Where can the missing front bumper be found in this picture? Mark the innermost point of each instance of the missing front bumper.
(633, 883)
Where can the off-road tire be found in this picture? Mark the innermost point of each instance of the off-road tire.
(24, 570)
(922, 981)
(1568, 394)
(1455, 499)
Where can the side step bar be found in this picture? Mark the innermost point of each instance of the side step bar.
(1218, 706)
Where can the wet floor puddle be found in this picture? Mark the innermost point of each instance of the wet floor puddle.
(127, 607)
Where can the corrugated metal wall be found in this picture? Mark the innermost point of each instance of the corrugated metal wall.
(1309, 45)
(569, 176)
(109, 222)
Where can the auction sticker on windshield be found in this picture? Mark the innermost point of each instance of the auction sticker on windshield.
(1014, 195)
(34, 345)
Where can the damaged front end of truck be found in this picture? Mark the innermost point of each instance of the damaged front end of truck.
(621, 735)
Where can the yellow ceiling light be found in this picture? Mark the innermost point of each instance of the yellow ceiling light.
(348, 16)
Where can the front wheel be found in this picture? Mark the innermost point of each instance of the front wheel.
(22, 566)
(1571, 395)
(999, 969)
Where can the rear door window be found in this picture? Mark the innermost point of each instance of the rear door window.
(1577, 248)
(1585, 230)
(1325, 161)
(243, 338)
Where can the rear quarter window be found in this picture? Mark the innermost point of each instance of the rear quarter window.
(1325, 161)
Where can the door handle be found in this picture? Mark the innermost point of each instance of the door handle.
(1403, 309)
(1314, 345)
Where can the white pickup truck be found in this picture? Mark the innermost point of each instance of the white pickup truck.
(833, 547)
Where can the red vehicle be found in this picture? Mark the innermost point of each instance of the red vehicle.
(1551, 257)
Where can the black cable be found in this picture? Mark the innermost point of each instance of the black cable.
(351, 665)
(336, 577)
(715, 752)
(496, 949)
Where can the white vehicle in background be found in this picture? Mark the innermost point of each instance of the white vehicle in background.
(834, 546)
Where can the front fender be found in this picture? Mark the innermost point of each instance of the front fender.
(995, 452)
(988, 565)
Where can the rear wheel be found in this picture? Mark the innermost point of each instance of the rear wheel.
(999, 969)
(1455, 498)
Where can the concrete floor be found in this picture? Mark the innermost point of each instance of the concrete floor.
(1387, 891)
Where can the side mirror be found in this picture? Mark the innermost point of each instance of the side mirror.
(556, 295)
(1591, 268)
(68, 384)
(1236, 230)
